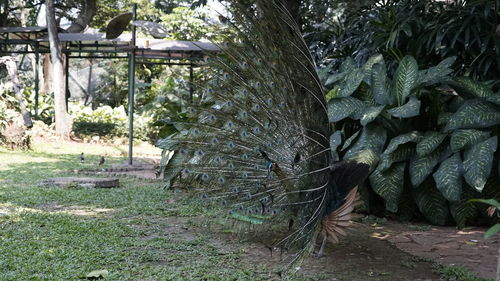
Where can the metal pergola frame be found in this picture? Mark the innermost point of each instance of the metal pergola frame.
(96, 46)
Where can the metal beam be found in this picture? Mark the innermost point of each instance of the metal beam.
(191, 77)
(166, 63)
(37, 79)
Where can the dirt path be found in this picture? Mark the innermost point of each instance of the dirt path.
(372, 252)
(387, 251)
(448, 246)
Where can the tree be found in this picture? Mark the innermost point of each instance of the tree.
(63, 120)
(84, 18)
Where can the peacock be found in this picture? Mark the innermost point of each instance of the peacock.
(257, 143)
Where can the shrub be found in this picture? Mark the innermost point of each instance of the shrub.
(83, 128)
(106, 122)
(428, 145)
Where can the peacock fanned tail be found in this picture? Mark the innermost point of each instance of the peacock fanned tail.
(257, 142)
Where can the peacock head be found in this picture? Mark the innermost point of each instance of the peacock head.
(272, 166)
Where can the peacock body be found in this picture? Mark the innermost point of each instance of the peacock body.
(257, 143)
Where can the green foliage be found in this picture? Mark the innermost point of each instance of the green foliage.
(478, 162)
(107, 9)
(84, 128)
(400, 113)
(106, 122)
(8, 109)
(184, 23)
(430, 31)
(456, 273)
(389, 185)
(431, 203)
(495, 228)
(448, 177)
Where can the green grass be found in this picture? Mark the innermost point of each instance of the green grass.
(134, 232)
(457, 273)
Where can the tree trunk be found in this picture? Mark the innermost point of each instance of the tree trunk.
(63, 120)
(4, 12)
(12, 71)
(84, 18)
(46, 78)
(24, 13)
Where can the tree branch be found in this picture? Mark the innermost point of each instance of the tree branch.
(84, 18)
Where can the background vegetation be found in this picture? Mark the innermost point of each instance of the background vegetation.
(413, 90)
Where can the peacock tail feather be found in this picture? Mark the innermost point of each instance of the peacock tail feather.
(257, 142)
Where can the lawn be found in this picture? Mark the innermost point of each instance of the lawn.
(65, 233)
(141, 232)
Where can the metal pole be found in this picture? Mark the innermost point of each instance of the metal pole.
(37, 81)
(131, 89)
(66, 78)
(191, 90)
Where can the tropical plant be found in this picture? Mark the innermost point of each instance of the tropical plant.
(170, 98)
(427, 144)
(428, 30)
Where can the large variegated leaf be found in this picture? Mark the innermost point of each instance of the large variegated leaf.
(367, 67)
(444, 117)
(448, 177)
(431, 203)
(405, 78)
(167, 143)
(436, 73)
(422, 166)
(335, 141)
(341, 108)
(331, 94)
(464, 210)
(474, 114)
(429, 143)
(465, 138)
(478, 162)
(410, 109)
(370, 114)
(379, 84)
(389, 185)
(350, 83)
(349, 141)
(347, 65)
(172, 168)
(469, 88)
(367, 156)
(402, 153)
(494, 98)
(414, 136)
(372, 137)
(365, 95)
(335, 77)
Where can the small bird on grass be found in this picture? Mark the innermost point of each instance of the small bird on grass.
(101, 161)
(82, 157)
